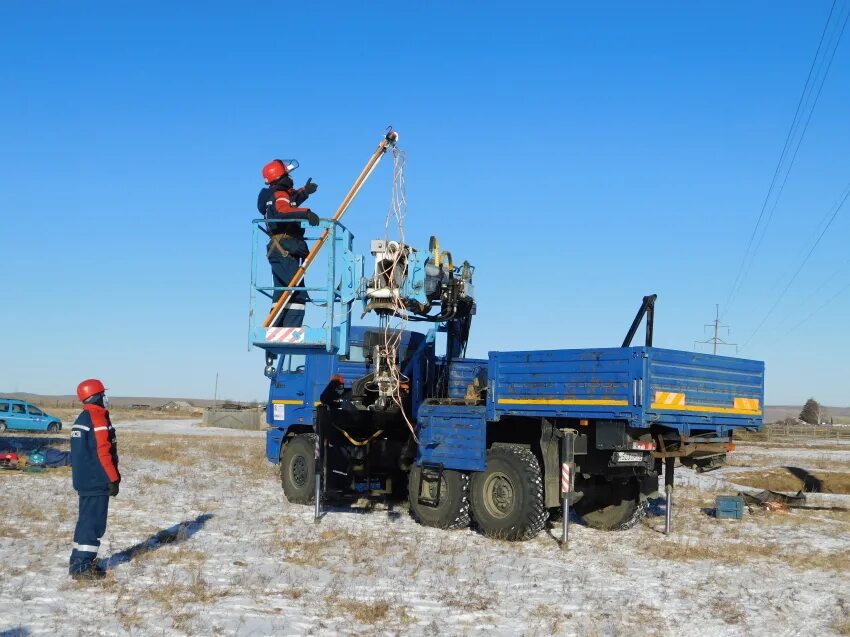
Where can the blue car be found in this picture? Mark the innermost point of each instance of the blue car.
(24, 416)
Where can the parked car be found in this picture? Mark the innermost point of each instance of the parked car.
(21, 415)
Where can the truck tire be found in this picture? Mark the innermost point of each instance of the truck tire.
(507, 497)
(610, 506)
(452, 511)
(298, 469)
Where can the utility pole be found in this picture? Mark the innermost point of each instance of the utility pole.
(715, 340)
(215, 392)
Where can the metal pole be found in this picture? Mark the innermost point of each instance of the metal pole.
(317, 511)
(567, 471)
(215, 392)
(668, 487)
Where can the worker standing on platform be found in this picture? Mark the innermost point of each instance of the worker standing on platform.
(280, 202)
(94, 467)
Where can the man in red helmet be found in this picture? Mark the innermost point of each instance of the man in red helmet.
(94, 467)
(279, 202)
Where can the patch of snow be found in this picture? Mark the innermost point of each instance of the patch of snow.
(181, 426)
(247, 562)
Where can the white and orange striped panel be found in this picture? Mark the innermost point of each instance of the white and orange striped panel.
(285, 334)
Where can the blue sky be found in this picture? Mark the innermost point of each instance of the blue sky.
(579, 157)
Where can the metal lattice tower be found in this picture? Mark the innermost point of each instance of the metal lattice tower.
(715, 340)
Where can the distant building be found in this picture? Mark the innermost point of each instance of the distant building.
(177, 405)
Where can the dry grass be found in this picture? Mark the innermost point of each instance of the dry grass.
(551, 618)
(363, 612)
(69, 414)
(184, 588)
(794, 479)
(735, 552)
(10, 532)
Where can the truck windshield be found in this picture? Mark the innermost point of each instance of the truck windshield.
(293, 363)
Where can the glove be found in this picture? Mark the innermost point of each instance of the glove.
(312, 217)
(310, 187)
(113, 488)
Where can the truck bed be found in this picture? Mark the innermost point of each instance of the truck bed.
(688, 391)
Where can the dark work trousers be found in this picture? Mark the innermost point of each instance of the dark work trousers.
(284, 268)
(91, 525)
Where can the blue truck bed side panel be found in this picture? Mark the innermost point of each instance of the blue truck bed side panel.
(693, 391)
(453, 435)
(462, 372)
(575, 383)
(687, 391)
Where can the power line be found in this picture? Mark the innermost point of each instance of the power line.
(799, 269)
(816, 292)
(819, 309)
(750, 253)
(715, 340)
(805, 128)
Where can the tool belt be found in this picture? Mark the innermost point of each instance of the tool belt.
(274, 245)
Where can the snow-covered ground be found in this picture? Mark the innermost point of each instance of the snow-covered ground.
(181, 426)
(246, 562)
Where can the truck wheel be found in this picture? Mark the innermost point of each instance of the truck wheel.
(610, 506)
(507, 497)
(298, 469)
(452, 511)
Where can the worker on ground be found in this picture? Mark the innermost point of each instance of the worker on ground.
(94, 466)
(280, 202)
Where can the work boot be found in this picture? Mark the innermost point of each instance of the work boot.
(89, 574)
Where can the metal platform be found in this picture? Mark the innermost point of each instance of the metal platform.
(344, 277)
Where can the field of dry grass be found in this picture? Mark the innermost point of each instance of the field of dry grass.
(201, 541)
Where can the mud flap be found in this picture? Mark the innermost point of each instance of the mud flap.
(432, 473)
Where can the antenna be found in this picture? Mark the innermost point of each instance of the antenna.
(715, 340)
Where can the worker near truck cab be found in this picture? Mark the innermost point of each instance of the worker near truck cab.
(94, 467)
(279, 202)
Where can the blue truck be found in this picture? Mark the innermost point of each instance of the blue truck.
(379, 411)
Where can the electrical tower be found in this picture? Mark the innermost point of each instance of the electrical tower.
(715, 340)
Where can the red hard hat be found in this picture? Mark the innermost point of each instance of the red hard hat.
(276, 169)
(89, 388)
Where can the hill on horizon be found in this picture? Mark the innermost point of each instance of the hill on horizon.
(772, 413)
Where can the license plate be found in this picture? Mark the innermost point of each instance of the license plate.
(627, 456)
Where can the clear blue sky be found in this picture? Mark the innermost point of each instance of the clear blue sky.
(580, 157)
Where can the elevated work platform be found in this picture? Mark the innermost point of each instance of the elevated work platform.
(342, 281)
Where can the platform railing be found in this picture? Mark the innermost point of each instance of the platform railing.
(344, 273)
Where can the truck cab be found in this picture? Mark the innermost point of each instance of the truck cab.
(300, 378)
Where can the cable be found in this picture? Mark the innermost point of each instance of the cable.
(393, 330)
(749, 256)
(816, 292)
(805, 128)
(819, 309)
(799, 269)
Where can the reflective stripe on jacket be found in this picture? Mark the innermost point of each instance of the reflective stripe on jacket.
(94, 455)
